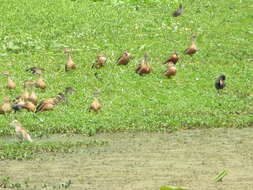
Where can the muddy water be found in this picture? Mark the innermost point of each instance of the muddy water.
(147, 161)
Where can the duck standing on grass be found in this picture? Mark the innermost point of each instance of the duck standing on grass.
(193, 47)
(20, 132)
(10, 83)
(70, 65)
(6, 106)
(220, 82)
(143, 67)
(95, 105)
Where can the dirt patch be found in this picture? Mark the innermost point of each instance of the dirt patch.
(147, 161)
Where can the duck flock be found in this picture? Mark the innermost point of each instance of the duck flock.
(28, 99)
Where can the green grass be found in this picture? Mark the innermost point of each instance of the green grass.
(34, 33)
(27, 151)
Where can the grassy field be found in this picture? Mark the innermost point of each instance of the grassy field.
(34, 33)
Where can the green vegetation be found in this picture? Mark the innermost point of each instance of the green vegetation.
(25, 151)
(172, 188)
(220, 176)
(34, 33)
(5, 182)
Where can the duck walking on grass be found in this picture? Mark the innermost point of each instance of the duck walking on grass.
(143, 67)
(220, 82)
(21, 133)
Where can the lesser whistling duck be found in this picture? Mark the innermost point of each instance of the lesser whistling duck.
(178, 12)
(21, 133)
(50, 103)
(10, 83)
(6, 106)
(29, 83)
(40, 83)
(143, 67)
(29, 106)
(193, 47)
(95, 105)
(124, 59)
(101, 60)
(171, 70)
(173, 58)
(36, 70)
(70, 65)
(33, 97)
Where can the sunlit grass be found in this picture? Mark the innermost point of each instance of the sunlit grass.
(34, 33)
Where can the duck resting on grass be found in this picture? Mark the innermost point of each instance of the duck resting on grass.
(192, 49)
(36, 70)
(173, 58)
(124, 59)
(101, 60)
(171, 70)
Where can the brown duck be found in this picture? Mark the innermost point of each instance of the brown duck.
(33, 97)
(40, 83)
(171, 70)
(25, 95)
(173, 58)
(29, 83)
(29, 106)
(6, 106)
(36, 70)
(50, 103)
(45, 107)
(193, 48)
(124, 59)
(101, 60)
(143, 67)
(70, 65)
(95, 105)
(10, 83)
